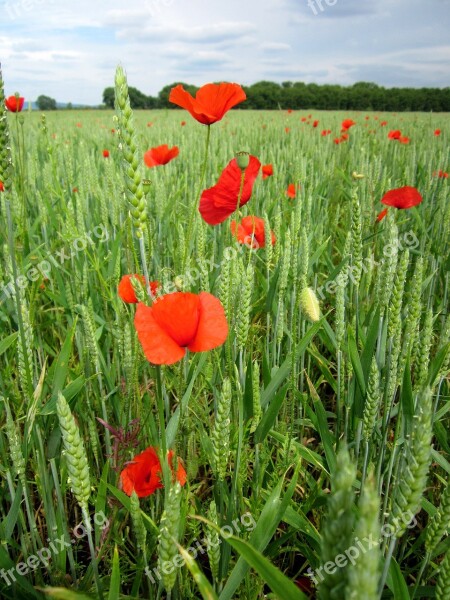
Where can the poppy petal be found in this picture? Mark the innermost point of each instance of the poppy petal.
(212, 328)
(159, 348)
(178, 315)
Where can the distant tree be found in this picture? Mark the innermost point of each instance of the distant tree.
(163, 96)
(108, 97)
(46, 103)
(69, 106)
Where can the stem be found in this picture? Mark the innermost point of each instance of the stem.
(190, 230)
(88, 527)
(387, 563)
(423, 566)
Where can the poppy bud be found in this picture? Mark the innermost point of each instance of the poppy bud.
(243, 160)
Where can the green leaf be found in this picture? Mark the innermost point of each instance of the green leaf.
(204, 587)
(266, 526)
(270, 415)
(285, 368)
(281, 585)
(7, 342)
(114, 588)
(357, 367)
(396, 582)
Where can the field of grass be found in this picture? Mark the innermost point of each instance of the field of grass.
(315, 440)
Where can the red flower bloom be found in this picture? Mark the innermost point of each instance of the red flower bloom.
(382, 214)
(160, 155)
(315, 123)
(303, 119)
(325, 132)
(178, 321)
(289, 111)
(126, 290)
(344, 137)
(14, 104)
(250, 231)
(404, 139)
(287, 129)
(2, 187)
(437, 132)
(442, 174)
(211, 101)
(395, 134)
(142, 474)
(346, 124)
(220, 201)
(267, 171)
(383, 123)
(106, 153)
(149, 124)
(183, 123)
(292, 190)
(337, 140)
(79, 124)
(404, 197)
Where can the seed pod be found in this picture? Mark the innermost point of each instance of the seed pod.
(220, 436)
(168, 536)
(414, 471)
(76, 459)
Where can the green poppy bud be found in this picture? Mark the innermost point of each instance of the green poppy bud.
(243, 160)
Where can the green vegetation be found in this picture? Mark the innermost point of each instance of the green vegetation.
(307, 437)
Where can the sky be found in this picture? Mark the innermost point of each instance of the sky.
(69, 49)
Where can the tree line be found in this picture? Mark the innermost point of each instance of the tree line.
(268, 95)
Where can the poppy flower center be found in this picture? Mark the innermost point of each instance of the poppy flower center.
(178, 315)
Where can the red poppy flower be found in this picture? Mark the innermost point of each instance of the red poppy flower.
(437, 132)
(250, 231)
(106, 153)
(143, 474)
(291, 191)
(346, 124)
(126, 290)
(160, 155)
(382, 214)
(183, 123)
(403, 139)
(383, 123)
(149, 124)
(395, 134)
(315, 123)
(211, 101)
(178, 321)
(75, 190)
(2, 187)
(303, 119)
(337, 140)
(79, 124)
(267, 171)
(287, 129)
(404, 197)
(289, 111)
(220, 201)
(14, 104)
(442, 174)
(344, 137)
(325, 132)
